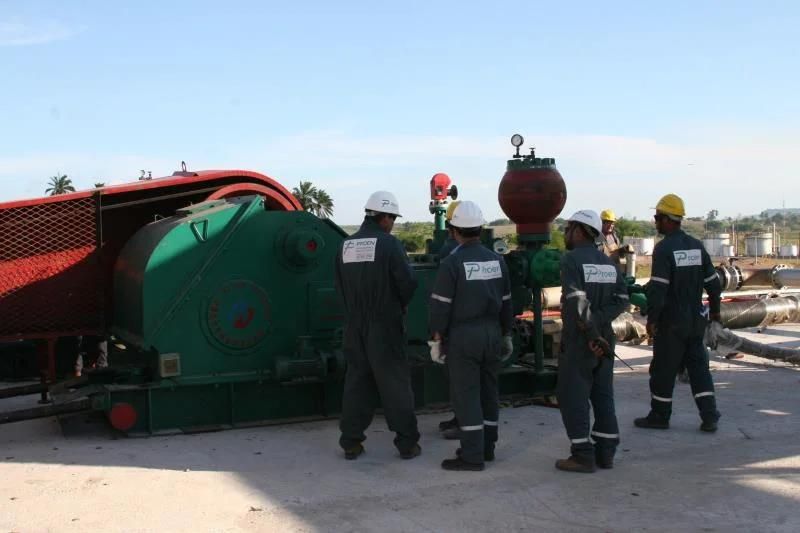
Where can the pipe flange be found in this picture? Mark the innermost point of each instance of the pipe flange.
(731, 277)
(773, 276)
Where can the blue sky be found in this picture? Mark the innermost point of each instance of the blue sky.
(633, 99)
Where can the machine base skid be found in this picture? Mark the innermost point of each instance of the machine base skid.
(168, 408)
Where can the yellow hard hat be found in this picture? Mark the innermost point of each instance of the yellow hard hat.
(450, 209)
(608, 214)
(671, 204)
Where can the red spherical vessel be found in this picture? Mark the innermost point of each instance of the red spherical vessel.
(532, 193)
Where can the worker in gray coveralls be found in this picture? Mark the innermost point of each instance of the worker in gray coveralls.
(376, 283)
(470, 323)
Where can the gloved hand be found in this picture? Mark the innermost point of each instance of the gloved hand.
(436, 352)
(507, 348)
(713, 333)
(599, 347)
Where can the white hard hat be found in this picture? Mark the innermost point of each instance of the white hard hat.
(587, 217)
(467, 215)
(383, 202)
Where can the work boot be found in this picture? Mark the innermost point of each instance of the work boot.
(354, 452)
(452, 433)
(709, 426)
(411, 453)
(651, 422)
(488, 454)
(459, 464)
(603, 460)
(575, 464)
(447, 424)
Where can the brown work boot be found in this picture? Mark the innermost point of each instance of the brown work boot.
(575, 464)
(354, 452)
(414, 451)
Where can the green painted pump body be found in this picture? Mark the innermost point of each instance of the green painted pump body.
(229, 316)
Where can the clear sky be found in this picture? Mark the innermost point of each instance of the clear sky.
(633, 99)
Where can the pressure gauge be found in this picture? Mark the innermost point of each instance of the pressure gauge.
(517, 140)
(500, 246)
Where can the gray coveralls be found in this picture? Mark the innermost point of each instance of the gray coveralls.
(471, 308)
(376, 284)
(594, 293)
(681, 270)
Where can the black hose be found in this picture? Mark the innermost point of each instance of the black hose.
(731, 341)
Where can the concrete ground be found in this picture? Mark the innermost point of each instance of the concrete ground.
(746, 477)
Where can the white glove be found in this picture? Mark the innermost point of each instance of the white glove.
(714, 331)
(436, 352)
(508, 348)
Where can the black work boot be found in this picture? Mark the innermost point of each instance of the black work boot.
(576, 464)
(651, 421)
(447, 424)
(354, 452)
(488, 453)
(709, 426)
(452, 433)
(412, 452)
(603, 460)
(459, 464)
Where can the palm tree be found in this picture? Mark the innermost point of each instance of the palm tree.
(59, 184)
(314, 200)
(305, 195)
(323, 204)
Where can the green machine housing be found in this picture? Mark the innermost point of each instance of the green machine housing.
(226, 315)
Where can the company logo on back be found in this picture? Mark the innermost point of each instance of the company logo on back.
(599, 274)
(482, 270)
(685, 258)
(359, 250)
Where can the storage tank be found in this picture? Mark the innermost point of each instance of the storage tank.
(641, 245)
(788, 250)
(759, 244)
(714, 243)
(726, 250)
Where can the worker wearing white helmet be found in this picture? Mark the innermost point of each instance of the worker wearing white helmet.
(376, 284)
(470, 324)
(593, 294)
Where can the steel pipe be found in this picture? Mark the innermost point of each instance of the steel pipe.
(751, 313)
(782, 276)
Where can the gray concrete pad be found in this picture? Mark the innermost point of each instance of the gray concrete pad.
(746, 477)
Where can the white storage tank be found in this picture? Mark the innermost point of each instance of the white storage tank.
(726, 250)
(759, 244)
(641, 245)
(714, 243)
(788, 250)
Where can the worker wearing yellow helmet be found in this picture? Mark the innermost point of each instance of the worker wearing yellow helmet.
(449, 427)
(677, 319)
(612, 245)
(450, 244)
